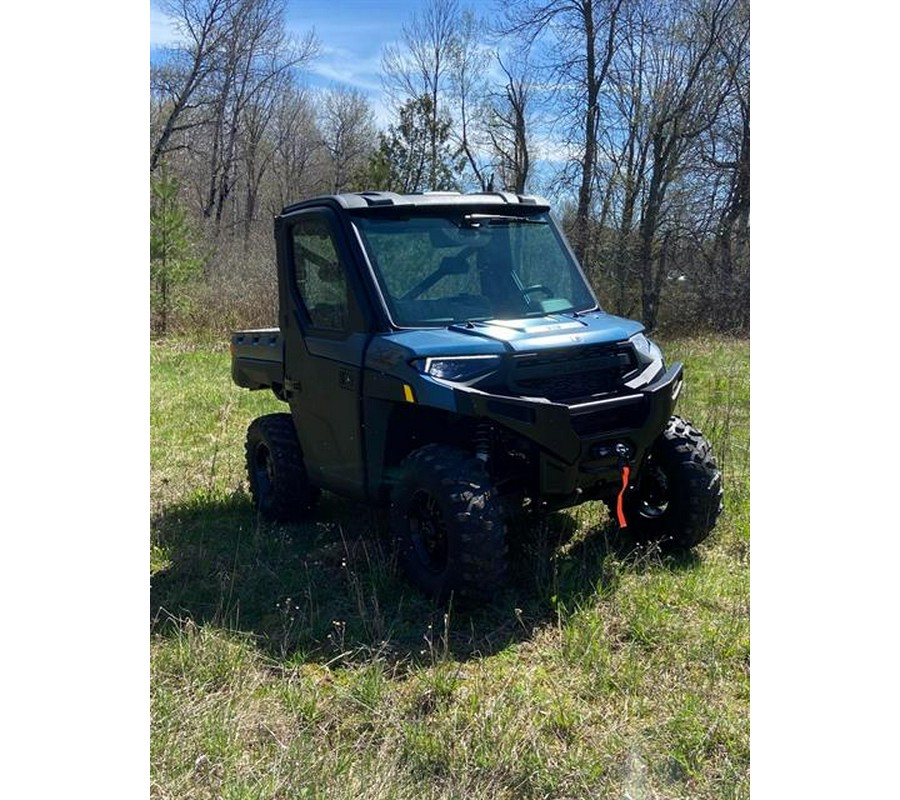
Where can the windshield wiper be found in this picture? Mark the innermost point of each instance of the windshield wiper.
(576, 313)
(476, 220)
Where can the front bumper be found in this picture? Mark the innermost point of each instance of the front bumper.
(576, 441)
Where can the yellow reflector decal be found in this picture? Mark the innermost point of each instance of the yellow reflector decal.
(408, 393)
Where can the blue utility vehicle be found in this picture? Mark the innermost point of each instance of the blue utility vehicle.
(443, 356)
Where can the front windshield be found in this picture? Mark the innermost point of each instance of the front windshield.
(439, 269)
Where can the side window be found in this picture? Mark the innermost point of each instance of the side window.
(320, 276)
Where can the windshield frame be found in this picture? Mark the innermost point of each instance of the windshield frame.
(460, 217)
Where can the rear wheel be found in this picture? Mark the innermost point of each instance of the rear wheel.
(447, 521)
(678, 497)
(278, 480)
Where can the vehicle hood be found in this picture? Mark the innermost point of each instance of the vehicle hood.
(552, 331)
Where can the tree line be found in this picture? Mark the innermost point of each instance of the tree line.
(632, 116)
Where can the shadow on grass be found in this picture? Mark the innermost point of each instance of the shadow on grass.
(329, 590)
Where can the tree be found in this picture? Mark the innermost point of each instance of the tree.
(348, 136)
(584, 34)
(217, 93)
(686, 94)
(672, 132)
(732, 259)
(172, 263)
(295, 138)
(405, 159)
(624, 149)
(508, 126)
(257, 151)
(257, 53)
(468, 91)
(418, 68)
(181, 78)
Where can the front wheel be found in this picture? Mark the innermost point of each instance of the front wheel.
(678, 496)
(448, 524)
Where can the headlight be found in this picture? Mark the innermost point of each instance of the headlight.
(458, 369)
(646, 348)
(650, 361)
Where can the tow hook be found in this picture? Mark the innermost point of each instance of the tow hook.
(622, 451)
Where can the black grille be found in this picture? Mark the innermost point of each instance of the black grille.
(573, 373)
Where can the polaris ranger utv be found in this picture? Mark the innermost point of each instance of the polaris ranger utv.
(443, 356)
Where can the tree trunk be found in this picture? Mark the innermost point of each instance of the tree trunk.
(594, 80)
(649, 223)
(582, 212)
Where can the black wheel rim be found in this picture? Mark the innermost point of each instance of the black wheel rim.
(428, 532)
(263, 471)
(654, 493)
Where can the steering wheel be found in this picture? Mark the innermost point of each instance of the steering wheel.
(538, 287)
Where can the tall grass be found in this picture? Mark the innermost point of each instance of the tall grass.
(294, 661)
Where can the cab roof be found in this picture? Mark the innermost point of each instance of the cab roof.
(385, 200)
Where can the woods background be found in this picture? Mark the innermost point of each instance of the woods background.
(631, 116)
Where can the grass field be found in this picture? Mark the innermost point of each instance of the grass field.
(295, 662)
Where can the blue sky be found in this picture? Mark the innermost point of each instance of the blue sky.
(352, 34)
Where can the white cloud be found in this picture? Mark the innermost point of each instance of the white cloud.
(163, 32)
(337, 64)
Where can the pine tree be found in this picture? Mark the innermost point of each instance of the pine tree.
(405, 160)
(172, 260)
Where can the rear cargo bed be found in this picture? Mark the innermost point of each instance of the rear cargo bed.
(257, 359)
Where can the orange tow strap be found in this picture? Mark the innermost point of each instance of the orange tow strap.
(623, 523)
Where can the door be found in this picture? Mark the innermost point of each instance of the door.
(324, 347)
